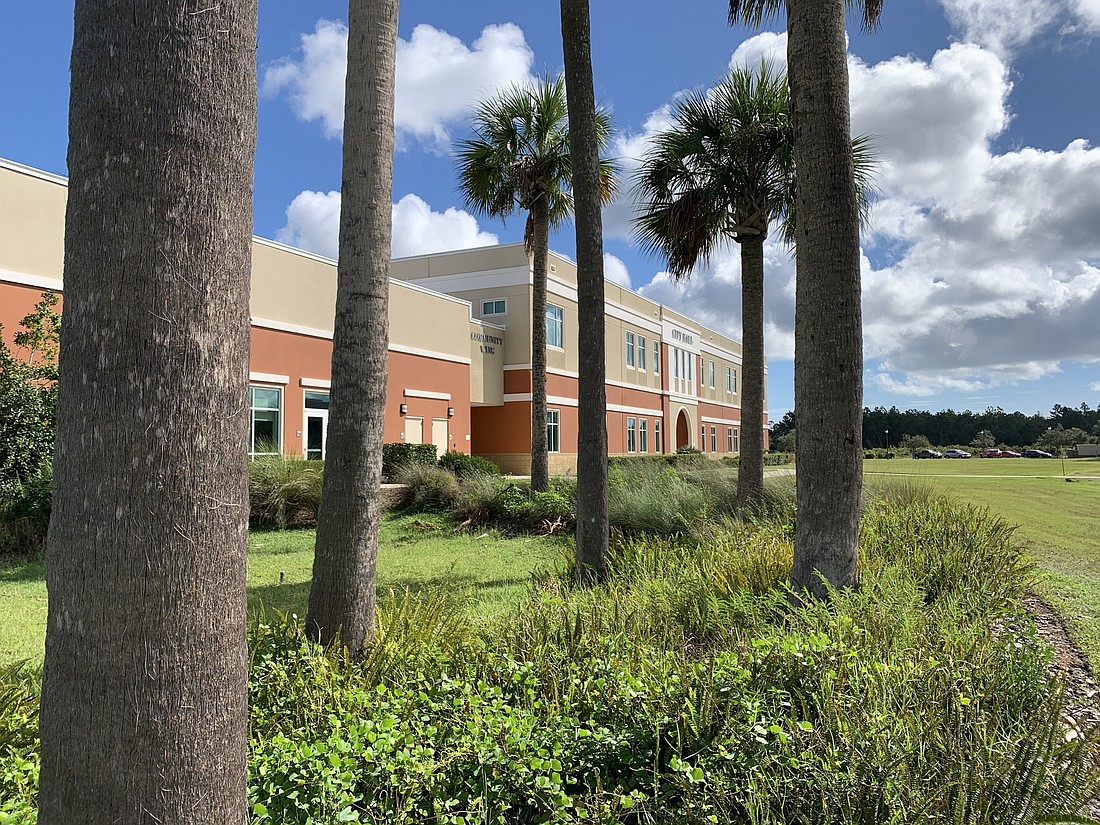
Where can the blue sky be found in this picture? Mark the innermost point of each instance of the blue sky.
(982, 262)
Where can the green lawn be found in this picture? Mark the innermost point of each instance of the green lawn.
(415, 552)
(1058, 520)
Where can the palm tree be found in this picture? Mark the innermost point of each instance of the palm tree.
(593, 523)
(342, 596)
(828, 382)
(519, 158)
(725, 170)
(144, 700)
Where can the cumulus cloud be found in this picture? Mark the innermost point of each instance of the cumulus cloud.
(1004, 28)
(980, 268)
(615, 271)
(313, 224)
(439, 78)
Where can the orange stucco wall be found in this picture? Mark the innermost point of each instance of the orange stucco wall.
(16, 302)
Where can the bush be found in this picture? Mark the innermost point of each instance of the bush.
(464, 466)
(397, 456)
(284, 491)
(25, 512)
(430, 487)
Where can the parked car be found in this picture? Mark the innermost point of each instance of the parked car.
(956, 454)
(1009, 454)
(927, 454)
(1037, 454)
(992, 453)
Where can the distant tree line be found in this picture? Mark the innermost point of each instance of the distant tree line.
(1062, 427)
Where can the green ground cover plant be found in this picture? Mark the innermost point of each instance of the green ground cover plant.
(1056, 521)
(689, 688)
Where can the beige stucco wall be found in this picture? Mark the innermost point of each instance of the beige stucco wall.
(486, 363)
(32, 233)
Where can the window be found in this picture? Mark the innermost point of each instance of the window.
(729, 439)
(656, 357)
(733, 380)
(701, 379)
(497, 307)
(631, 435)
(266, 404)
(703, 439)
(729, 379)
(630, 349)
(657, 437)
(554, 337)
(736, 440)
(712, 375)
(713, 439)
(553, 431)
(643, 439)
(641, 355)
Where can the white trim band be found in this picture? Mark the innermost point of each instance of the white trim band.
(439, 396)
(315, 383)
(708, 420)
(36, 281)
(636, 410)
(269, 378)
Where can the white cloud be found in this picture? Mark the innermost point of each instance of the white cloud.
(313, 224)
(1094, 386)
(615, 271)
(1005, 28)
(438, 80)
(981, 268)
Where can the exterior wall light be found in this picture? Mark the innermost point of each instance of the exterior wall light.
(450, 412)
(404, 408)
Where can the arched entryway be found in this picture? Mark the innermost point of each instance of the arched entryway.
(683, 430)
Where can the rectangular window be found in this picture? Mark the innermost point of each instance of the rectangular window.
(729, 439)
(734, 374)
(657, 437)
(630, 349)
(701, 379)
(554, 335)
(729, 379)
(737, 440)
(497, 307)
(713, 439)
(712, 375)
(553, 431)
(266, 403)
(703, 439)
(643, 437)
(656, 357)
(641, 353)
(631, 435)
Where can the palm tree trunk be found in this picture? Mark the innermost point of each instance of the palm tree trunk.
(342, 597)
(750, 465)
(540, 249)
(592, 507)
(828, 370)
(144, 700)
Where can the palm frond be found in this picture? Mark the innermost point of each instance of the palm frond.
(755, 12)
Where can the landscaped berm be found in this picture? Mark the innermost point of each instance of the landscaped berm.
(688, 689)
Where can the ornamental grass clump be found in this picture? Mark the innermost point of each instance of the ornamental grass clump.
(284, 491)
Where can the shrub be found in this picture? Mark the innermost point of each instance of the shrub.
(477, 497)
(25, 512)
(284, 491)
(430, 487)
(396, 456)
(463, 465)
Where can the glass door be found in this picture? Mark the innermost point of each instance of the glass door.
(316, 424)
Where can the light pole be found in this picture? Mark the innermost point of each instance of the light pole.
(887, 443)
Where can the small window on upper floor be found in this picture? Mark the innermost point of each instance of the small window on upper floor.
(630, 349)
(555, 335)
(497, 306)
(641, 353)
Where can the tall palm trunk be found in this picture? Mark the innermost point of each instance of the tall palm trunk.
(828, 369)
(342, 597)
(144, 701)
(592, 506)
(540, 250)
(750, 467)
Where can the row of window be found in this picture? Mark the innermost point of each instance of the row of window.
(733, 439)
(731, 376)
(265, 432)
(555, 315)
(636, 353)
(637, 435)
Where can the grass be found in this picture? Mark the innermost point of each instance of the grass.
(416, 552)
(1058, 521)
